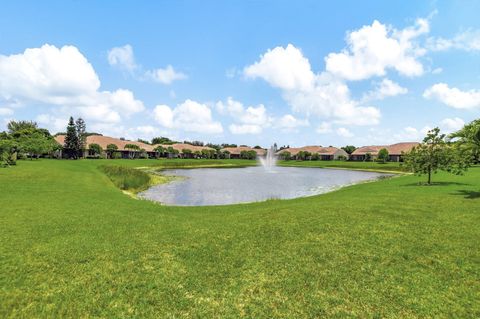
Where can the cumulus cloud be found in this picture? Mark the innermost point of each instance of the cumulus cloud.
(290, 123)
(284, 68)
(386, 88)
(321, 95)
(245, 129)
(62, 78)
(166, 76)
(468, 40)
(344, 132)
(411, 134)
(324, 128)
(247, 120)
(450, 125)
(5, 111)
(374, 48)
(453, 97)
(122, 57)
(189, 116)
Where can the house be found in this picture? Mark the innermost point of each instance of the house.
(394, 151)
(185, 150)
(235, 152)
(324, 153)
(104, 141)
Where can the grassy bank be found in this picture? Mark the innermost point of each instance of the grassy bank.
(73, 245)
(366, 166)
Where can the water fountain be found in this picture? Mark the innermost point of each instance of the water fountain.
(269, 161)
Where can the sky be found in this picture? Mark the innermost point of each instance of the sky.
(246, 72)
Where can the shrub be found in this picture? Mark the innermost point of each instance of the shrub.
(315, 157)
(127, 178)
(342, 158)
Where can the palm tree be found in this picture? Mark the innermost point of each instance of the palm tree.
(132, 148)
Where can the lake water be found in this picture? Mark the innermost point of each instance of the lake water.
(221, 186)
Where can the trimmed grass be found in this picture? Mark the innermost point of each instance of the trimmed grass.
(73, 245)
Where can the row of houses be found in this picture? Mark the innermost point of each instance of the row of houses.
(363, 153)
(191, 151)
(126, 152)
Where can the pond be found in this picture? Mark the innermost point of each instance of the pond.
(222, 186)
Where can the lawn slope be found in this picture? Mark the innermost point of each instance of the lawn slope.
(73, 245)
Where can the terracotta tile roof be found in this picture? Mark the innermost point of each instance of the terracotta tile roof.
(239, 149)
(313, 149)
(397, 149)
(394, 149)
(103, 141)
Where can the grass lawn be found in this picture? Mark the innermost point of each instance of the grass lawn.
(73, 245)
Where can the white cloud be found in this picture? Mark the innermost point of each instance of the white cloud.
(166, 76)
(375, 48)
(342, 131)
(245, 129)
(249, 120)
(386, 88)
(5, 111)
(437, 71)
(468, 40)
(411, 134)
(450, 125)
(122, 57)
(189, 116)
(290, 123)
(313, 95)
(62, 78)
(453, 97)
(53, 123)
(284, 68)
(324, 128)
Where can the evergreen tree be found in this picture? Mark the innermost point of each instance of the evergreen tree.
(81, 127)
(71, 140)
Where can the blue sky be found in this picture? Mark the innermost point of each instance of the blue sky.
(247, 72)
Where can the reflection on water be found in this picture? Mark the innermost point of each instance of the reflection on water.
(214, 186)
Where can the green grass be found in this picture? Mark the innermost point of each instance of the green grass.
(73, 245)
(127, 178)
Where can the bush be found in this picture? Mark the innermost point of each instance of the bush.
(342, 158)
(127, 178)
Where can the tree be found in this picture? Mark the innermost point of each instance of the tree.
(469, 139)
(315, 157)
(81, 127)
(8, 150)
(160, 150)
(36, 144)
(225, 154)
(383, 155)
(349, 149)
(286, 155)
(71, 140)
(132, 148)
(368, 157)
(248, 154)
(143, 141)
(197, 154)
(186, 153)
(16, 126)
(435, 154)
(111, 149)
(96, 149)
(162, 140)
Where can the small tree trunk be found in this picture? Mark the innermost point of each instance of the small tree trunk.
(429, 176)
